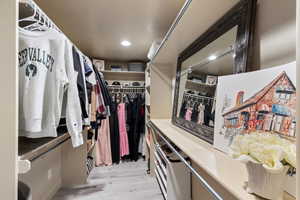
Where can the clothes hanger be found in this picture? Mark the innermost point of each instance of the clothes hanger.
(37, 21)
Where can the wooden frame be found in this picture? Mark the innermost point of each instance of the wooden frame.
(241, 15)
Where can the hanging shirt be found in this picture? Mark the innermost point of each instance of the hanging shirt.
(201, 109)
(45, 73)
(78, 67)
(188, 114)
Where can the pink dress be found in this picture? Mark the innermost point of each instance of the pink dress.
(124, 147)
(103, 148)
(188, 114)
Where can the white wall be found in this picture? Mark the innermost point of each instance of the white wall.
(275, 33)
(8, 100)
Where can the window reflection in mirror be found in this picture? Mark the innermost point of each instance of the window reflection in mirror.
(198, 81)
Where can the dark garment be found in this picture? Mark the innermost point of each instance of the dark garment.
(104, 90)
(89, 88)
(95, 125)
(136, 123)
(87, 70)
(80, 82)
(195, 113)
(90, 134)
(207, 114)
(114, 133)
(213, 116)
(130, 125)
(182, 110)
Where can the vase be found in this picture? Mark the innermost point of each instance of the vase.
(265, 184)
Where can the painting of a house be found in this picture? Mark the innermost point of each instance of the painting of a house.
(259, 101)
(270, 109)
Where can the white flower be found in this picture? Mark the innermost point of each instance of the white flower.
(268, 149)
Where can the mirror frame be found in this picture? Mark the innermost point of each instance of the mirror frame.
(241, 15)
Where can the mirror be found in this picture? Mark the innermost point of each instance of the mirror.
(222, 50)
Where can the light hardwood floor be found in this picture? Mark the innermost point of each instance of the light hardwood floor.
(127, 181)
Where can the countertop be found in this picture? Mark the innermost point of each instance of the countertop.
(228, 172)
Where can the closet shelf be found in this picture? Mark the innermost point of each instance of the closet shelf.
(124, 75)
(32, 148)
(190, 83)
(217, 164)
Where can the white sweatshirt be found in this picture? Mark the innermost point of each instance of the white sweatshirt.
(46, 72)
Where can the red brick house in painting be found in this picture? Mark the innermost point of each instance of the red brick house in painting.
(273, 109)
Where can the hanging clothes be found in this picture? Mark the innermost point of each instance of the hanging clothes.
(188, 114)
(207, 114)
(135, 123)
(104, 92)
(183, 109)
(124, 146)
(103, 148)
(138, 125)
(130, 120)
(46, 74)
(195, 113)
(114, 133)
(201, 109)
(80, 83)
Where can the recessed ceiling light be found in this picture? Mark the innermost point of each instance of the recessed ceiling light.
(125, 43)
(212, 57)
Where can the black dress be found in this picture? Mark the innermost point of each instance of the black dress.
(135, 123)
(182, 110)
(114, 133)
(195, 113)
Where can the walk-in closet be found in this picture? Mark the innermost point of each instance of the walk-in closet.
(152, 100)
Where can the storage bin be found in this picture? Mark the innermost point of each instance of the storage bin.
(116, 68)
(136, 67)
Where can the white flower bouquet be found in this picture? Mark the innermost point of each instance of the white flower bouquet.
(268, 158)
(270, 150)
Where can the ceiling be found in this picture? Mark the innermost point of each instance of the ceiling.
(97, 27)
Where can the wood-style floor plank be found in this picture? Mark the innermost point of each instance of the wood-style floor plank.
(127, 181)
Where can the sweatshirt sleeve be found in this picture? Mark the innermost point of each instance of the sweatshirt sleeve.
(73, 109)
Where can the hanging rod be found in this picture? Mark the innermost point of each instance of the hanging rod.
(208, 60)
(32, 3)
(203, 182)
(173, 26)
(125, 87)
(197, 96)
